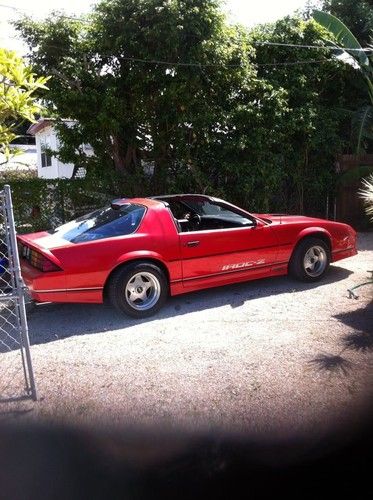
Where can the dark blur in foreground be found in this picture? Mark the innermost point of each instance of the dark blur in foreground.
(52, 462)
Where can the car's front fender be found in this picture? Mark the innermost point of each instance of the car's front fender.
(314, 231)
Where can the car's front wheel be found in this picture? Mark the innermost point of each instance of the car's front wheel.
(310, 260)
(138, 289)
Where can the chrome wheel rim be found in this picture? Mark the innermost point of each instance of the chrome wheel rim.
(142, 291)
(315, 261)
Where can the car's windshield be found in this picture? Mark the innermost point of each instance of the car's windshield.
(103, 223)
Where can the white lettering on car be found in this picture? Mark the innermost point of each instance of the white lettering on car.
(242, 265)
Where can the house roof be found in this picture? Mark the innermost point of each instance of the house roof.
(39, 125)
(43, 123)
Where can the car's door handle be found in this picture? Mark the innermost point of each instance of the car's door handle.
(192, 243)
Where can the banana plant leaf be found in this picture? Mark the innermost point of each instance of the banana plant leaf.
(343, 56)
(362, 126)
(342, 34)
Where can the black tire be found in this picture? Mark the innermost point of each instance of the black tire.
(134, 299)
(299, 261)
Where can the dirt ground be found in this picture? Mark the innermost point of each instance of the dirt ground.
(266, 357)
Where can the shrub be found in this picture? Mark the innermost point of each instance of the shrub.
(41, 204)
(367, 195)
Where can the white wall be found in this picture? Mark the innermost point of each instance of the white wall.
(47, 137)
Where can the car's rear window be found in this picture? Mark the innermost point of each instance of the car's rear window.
(103, 223)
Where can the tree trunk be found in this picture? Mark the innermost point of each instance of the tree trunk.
(124, 156)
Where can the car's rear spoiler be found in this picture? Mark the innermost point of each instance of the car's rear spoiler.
(120, 202)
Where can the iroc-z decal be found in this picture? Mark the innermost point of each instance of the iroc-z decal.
(242, 265)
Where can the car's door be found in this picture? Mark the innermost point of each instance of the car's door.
(238, 252)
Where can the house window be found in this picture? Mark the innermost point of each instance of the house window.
(46, 157)
(46, 160)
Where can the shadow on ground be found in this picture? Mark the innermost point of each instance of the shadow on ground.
(50, 322)
(361, 322)
(332, 363)
(360, 319)
(360, 339)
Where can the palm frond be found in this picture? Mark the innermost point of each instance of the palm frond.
(366, 193)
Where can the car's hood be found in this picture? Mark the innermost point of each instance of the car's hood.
(284, 218)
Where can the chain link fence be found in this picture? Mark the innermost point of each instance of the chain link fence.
(16, 373)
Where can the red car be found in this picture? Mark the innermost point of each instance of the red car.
(138, 251)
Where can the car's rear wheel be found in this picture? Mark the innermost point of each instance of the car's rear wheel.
(138, 289)
(310, 260)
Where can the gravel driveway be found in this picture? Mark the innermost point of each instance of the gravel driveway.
(267, 357)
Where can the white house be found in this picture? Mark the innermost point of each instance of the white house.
(46, 137)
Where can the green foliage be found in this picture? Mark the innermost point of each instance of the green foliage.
(308, 131)
(129, 109)
(356, 14)
(219, 117)
(362, 125)
(343, 36)
(18, 87)
(351, 52)
(41, 204)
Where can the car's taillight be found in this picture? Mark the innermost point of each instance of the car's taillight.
(48, 265)
(38, 260)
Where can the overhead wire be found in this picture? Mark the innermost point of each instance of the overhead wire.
(303, 46)
(205, 65)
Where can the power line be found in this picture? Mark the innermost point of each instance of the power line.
(301, 46)
(171, 64)
(294, 63)
(204, 65)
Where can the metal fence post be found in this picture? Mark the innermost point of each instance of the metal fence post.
(16, 294)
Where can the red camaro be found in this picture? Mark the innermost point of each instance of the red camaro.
(138, 251)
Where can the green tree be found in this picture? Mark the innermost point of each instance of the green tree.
(18, 93)
(356, 14)
(146, 81)
(172, 84)
(309, 130)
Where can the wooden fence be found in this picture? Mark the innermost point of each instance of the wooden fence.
(349, 206)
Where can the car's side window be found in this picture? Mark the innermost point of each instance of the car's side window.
(178, 209)
(198, 214)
